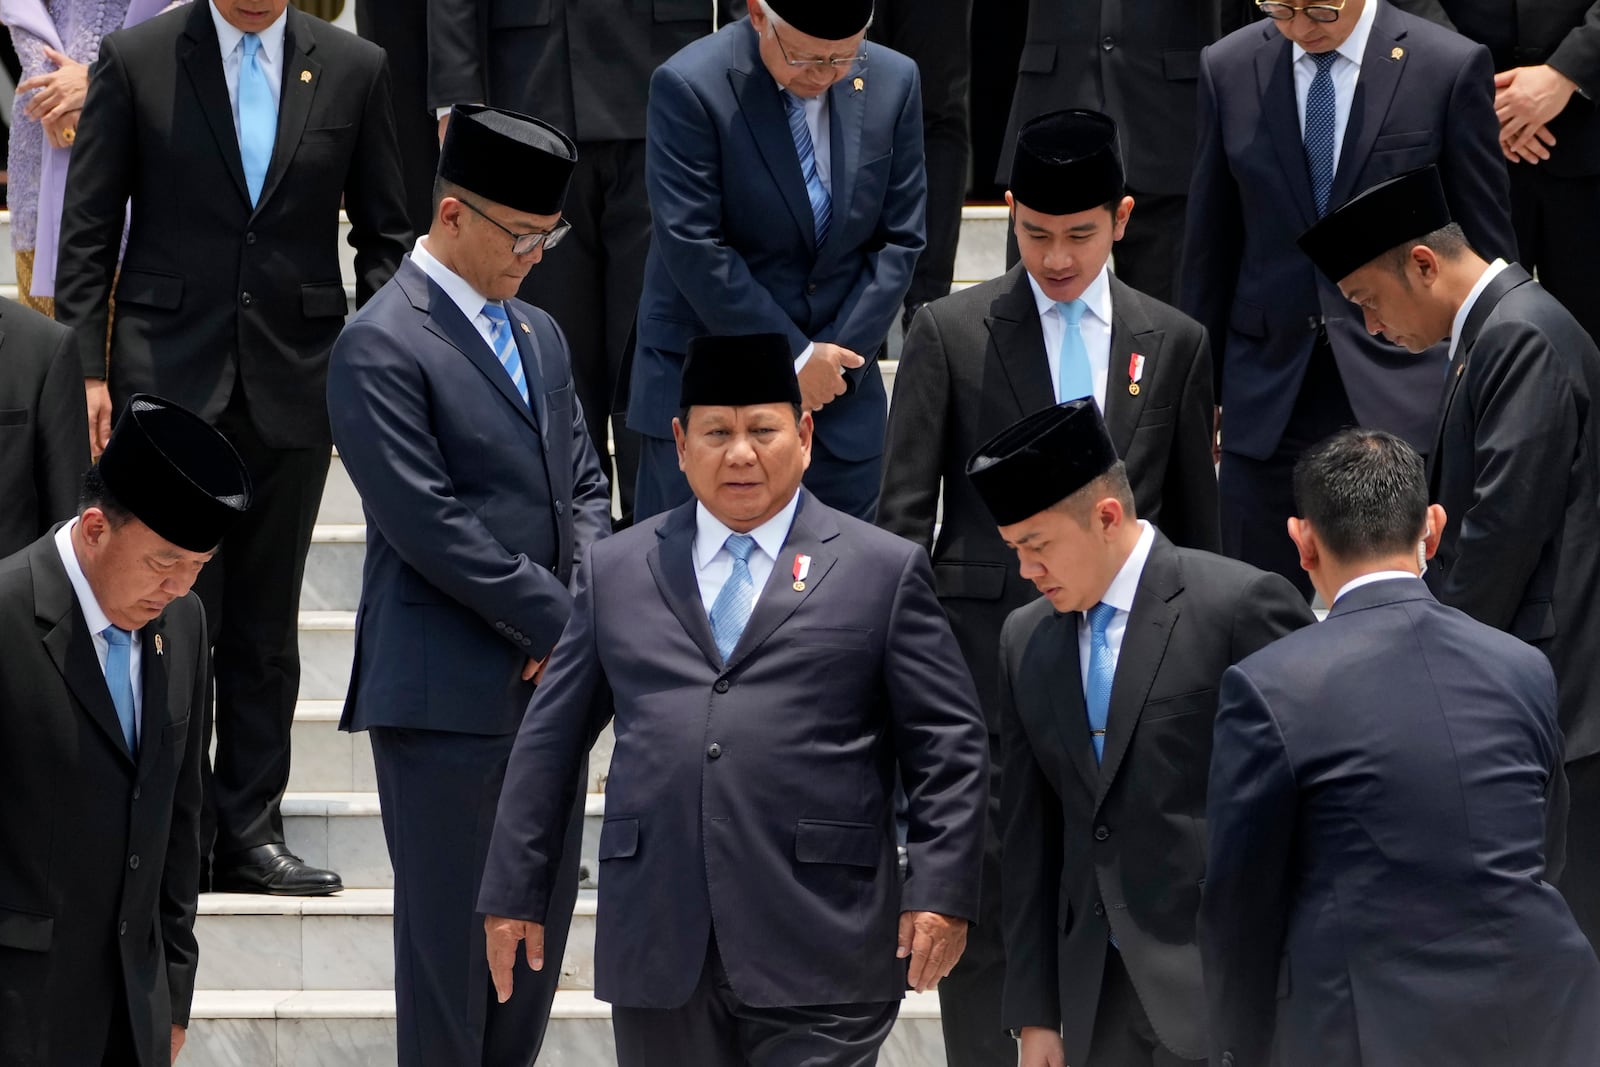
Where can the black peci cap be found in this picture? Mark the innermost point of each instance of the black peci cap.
(1039, 461)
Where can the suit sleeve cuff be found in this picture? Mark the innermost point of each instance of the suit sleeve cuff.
(804, 357)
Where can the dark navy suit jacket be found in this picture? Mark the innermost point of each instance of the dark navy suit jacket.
(477, 507)
(753, 798)
(735, 243)
(1382, 787)
(1425, 95)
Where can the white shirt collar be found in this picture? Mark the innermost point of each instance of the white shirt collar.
(710, 533)
(229, 35)
(92, 612)
(1355, 46)
(1097, 296)
(1489, 274)
(457, 288)
(1125, 586)
(1368, 579)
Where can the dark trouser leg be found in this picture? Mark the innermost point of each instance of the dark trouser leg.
(661, 485)
(439, 792)
(1557, 221)
(850, 485)
(400, 27)
(1580, 881)
(1147, 256)
(701, 1031)
(1123, 1036)
(251, 590)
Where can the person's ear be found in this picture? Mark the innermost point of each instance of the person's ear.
(1434, 531)
(1305, 540)
(680, 437)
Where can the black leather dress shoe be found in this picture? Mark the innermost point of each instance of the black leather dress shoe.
(272, 869)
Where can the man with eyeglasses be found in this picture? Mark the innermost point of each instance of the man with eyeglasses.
(785, 170)
(453, 409)
(1297, 113)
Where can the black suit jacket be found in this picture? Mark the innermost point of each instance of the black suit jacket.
(1525, 33)
(1516, 468)
(1382, 788)
(44, 433)
(974, 363)
(213, 292)
(99, 852)
(1118, 849)
(1424, 95)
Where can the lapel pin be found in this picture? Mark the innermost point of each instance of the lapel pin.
(859, 84)
(1460, 367)
(1135, 373)
(1397, 53)
(802, 567)
(524, 327)
(305, 76)
(158, 644)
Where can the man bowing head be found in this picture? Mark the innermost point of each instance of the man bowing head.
(770, 665)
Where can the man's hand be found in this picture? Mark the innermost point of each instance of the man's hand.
(1525, 100)
(99, 400)
(62, 131)
(934, 942)
(502, 935)
(822, 378)
(1532, 151)
(1041, 1047)
(178, 1034)
(58, 92)
(533, 670)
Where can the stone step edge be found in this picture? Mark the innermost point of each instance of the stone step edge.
(359, 902)
(339, 533)
(308, 804)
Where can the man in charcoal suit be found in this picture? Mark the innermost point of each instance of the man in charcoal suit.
(44, 437)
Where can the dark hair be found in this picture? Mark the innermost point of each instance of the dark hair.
(443, 187)
(93, 493)
(683, 416)
(1113, 483)
(1448, 241)
(1365, 492)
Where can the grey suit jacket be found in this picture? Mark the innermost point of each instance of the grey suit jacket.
(44, 429)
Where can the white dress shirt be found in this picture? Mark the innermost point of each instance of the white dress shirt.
(269, 58)
(1095, 326)
(1346, 70)
(713, 563)
(1119, 595)
(1460, 321)
(1368, 579)
(458, 289)
(96, 618)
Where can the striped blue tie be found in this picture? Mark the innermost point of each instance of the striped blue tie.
(258, 118)
(1322, 106)
(1102, 669)
(1072, 369)
(505, 345)
(731, 610)
(816, 192)
(119, 679)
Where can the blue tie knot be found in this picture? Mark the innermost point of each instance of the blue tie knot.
(496, 314)
(251, 45)
(740, 546)
(1100, 617)
(1324, 61)
(792, 103)
(115, 635)
(1072, 311)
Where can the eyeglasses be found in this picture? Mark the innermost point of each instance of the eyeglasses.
(1315, 12)
(524, 243)
(830, 64)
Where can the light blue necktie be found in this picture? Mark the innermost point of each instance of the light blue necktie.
(731, 610)
(258, 118)
(119, 679)
(1102, 669)
(505, 346)
(1322, 106)
(816, 192)
(1073, 361)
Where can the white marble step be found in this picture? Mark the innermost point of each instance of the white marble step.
(356, 1028)
(332, 580)
(327, 644)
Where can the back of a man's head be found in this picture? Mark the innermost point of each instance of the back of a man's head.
(1365, 493)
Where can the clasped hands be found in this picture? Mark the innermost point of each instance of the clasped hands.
(1526, 99)
(57, 97)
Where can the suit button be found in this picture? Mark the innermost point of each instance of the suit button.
(714, 751)
(500, 626)
(1099, 908)
(246, 299)
(1227, 1059)
(1101, 833)
(811, 289)
(136, 792)
(133, 862)
(249, 238)
(1108, 43)
(722, 685)
(122, 928)
(561, 507)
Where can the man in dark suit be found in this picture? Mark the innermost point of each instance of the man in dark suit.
(1514, 461)
(453, 411)
(1297, 114)
(786, 183)
(979, 360)
(1107, 692)
(585, 66)
(400, 28)
(1547, 56)
(236, 130)
(44, 437)
(774, 667)
(101, 700)
(1136, 60)
(1382, 789)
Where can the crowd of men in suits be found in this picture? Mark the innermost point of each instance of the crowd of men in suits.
(1010, 688)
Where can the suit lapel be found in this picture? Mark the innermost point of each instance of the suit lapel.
(671, 563)
(1131, 332)
(532, 368)
(768, 123)
(153, 712)
(1275, 76)
(1488, 300)
(1013, 323)
(810, 533)
(1144, 644)
(294, 99)
(1058, 646)
(1375, 88)
(67, 640)
(201, 55)
(846, 115)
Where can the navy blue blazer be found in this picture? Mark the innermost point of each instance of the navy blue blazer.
(734, 247)
(478, 507)
(1425, 95)
(1382, 787)
(753, 798)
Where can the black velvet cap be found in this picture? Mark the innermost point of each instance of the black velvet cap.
(828, 20)
(176, 474)
(752, 368)
(1371, 223)
(1066, 162)
(508, 158)
(1041, 460)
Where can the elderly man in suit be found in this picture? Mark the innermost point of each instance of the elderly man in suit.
(102, 695)
(774, 667)
(1514, 459)
(1108, 689)
(1296, 114)
(236, 129)
(1059, 325)
(44, 437)
(453, 411)
(785, 172)
(1382, 788)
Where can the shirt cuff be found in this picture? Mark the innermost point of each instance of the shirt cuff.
(804, 357)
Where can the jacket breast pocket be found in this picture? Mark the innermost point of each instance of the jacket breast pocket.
(164, 291)
(505, 14)
(1399, 142)
(1037, 57)
(174, 732)
(836, 637)
(969, 581)
(619, 838)
(13, 416)
(26, 930)
(853, 844)
(1247, 319)
(1182, 704)
(326, 135)
(1181, 66)
(323, 300)
(1535, 620)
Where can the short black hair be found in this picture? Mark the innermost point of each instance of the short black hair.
(1449, 241)
(93, 493)
(1365, 492)
(1113, 483)
(443, 187)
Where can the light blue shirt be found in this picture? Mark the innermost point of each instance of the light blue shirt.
(95, 616)
(270, 58)
(713, 563)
